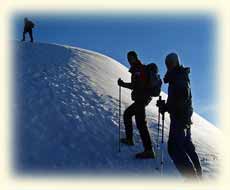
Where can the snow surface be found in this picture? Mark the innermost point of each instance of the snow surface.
(66, 110)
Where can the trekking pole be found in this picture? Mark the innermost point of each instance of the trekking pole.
(158, 131)
(162, 144)
(158, 127)
(119, 120)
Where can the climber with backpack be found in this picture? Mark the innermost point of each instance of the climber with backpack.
(145, 84)
(28, 28)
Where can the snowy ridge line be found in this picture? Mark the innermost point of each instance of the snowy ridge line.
(83, 50)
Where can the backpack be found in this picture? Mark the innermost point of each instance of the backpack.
(32, 24)
(153, 82)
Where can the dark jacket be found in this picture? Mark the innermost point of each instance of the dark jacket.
(28, 26)
(138, 83)
(179, 102)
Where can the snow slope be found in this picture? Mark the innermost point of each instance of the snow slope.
(66, 110)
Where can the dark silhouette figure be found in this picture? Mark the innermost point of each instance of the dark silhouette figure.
(179, 105)
(28, 28)
(141, 99)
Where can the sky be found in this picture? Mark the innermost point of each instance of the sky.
(152, 36)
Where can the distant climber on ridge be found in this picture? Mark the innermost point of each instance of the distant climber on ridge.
(141, 97)
(28, 28)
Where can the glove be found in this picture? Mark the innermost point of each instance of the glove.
(163, 109)
(162, 106)
(120, 82)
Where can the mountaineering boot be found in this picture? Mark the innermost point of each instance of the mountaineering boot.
(127, 141)
(149, 154)
(199, 173)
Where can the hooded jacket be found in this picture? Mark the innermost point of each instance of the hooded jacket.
(179, 102)
(28, 26)
(138, 83)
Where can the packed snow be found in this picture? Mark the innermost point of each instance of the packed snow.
(66, 116)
